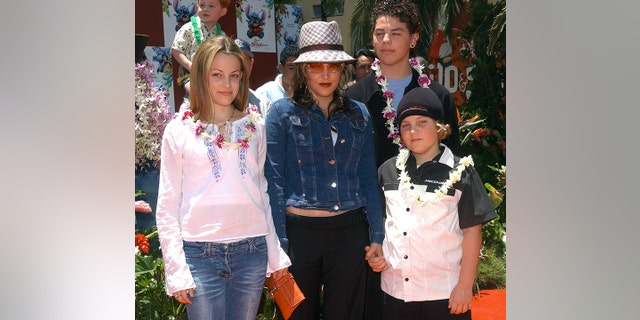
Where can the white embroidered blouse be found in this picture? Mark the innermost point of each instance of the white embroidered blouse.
(200, 199)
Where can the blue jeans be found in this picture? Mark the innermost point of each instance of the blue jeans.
(229, 278)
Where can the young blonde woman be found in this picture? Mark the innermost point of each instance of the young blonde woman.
(214, 221)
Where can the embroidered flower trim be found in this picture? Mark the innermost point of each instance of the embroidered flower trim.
(388, 112)
(219, 140)
(410, 190)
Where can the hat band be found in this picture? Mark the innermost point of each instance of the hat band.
(321, 47)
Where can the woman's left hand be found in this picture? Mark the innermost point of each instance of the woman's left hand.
(182, 296)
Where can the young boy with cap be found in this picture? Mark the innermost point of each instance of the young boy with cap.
(436, 206)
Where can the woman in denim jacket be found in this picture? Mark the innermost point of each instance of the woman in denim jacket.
(322, 174)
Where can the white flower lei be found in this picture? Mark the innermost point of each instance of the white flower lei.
(243, 142)
(411, 191)
(388, 112)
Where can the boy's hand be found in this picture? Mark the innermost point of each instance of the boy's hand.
(374, 257)
(460, 299)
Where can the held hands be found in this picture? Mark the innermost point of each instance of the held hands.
(182, 296)
(374, 257)
(460, 299)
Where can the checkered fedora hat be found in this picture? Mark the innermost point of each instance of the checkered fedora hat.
(321, 41)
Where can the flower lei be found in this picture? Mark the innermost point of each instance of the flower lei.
(410, 189)
(389, 112)
(242, 142)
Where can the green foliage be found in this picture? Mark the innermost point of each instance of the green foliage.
(165, 7)
(152, 301)
(491, 272)
(483, 117)
(267, 309)
(494, 231)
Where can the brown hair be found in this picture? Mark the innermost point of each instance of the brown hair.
(200, 98)
(404, 10)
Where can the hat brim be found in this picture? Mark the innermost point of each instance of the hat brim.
(324, 56)
(418, 111)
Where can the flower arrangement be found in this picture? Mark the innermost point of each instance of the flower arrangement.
(389, 112)
(406, 186)
(152, 115)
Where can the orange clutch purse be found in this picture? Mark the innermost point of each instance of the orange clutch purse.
(285, 292)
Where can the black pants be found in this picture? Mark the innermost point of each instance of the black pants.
(327, 256)
(395, 309)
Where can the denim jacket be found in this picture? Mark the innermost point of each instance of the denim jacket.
(305, 170)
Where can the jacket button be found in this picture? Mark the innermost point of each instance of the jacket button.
(332, 162)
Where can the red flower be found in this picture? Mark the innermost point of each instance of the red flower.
(142, 243)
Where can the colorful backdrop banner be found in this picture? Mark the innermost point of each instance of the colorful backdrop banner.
(255, 23)
(160, 59)
(289, 20)
(180, 12)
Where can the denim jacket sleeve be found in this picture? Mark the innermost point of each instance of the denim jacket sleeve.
(274, 170)
(368, 174)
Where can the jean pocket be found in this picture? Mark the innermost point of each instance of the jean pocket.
(194, 250)
(258, 244)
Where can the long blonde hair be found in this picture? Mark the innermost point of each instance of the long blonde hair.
(200, 98)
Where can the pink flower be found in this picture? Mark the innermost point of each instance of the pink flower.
(199, 130)
(187, 114)
(389, 115)
(251, 108)
(414, 63)
(381, 78)
(393, 135)
(219, 140)
(424, 80)
(244, 144)
(251, 127)
(387, 94)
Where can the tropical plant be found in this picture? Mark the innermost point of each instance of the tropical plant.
(483, 124)
(491, 273)
(152, 301)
